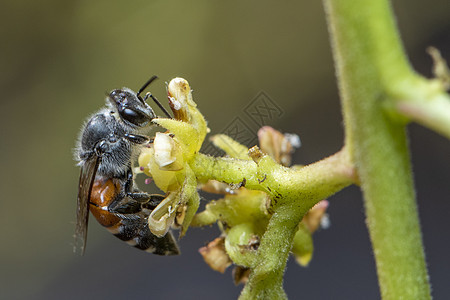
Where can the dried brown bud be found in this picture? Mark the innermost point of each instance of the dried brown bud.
(240, 275)
(279, 146)
(215, 255)
(314, 216)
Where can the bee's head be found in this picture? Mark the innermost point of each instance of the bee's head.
(133, 110)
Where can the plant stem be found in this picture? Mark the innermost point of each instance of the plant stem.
(371, 67)
(318, 180)
(266, 278)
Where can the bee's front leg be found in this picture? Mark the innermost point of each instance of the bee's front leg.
(138, 139)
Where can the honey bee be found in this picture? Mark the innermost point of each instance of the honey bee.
(109, 143)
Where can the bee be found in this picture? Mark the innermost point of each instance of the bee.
(109, 143)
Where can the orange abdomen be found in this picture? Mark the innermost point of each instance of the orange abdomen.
(102, 194)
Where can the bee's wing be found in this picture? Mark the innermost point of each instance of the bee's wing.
(87, 176)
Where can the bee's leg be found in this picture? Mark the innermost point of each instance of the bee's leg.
(138, 139)
(134, 194)
(133, 200)
(125, 205)
(129, 202)
(132, 203)
(154, 201)
(128, 205)
(146, 200)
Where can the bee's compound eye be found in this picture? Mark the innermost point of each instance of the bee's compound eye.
(134, 117)
(129, 114)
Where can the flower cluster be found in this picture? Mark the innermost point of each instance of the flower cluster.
(242, 214)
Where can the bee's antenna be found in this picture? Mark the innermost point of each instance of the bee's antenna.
(159, 104)
(146, 85)
(151, 96)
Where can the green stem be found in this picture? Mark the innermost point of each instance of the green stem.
(266, 278)
(319, 180)
(372, 68)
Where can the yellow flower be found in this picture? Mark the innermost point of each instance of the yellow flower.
(167, 160)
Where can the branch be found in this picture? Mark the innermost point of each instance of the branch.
(432, 112)
(293, 193)
(372, 70)
(321, 179)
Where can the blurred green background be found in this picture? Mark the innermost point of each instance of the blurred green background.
(57, 60)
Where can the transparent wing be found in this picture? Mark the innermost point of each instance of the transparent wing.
(87, 176)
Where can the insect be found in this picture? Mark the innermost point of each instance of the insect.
(109, 143)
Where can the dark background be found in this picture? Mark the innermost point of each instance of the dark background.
(57, 59)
